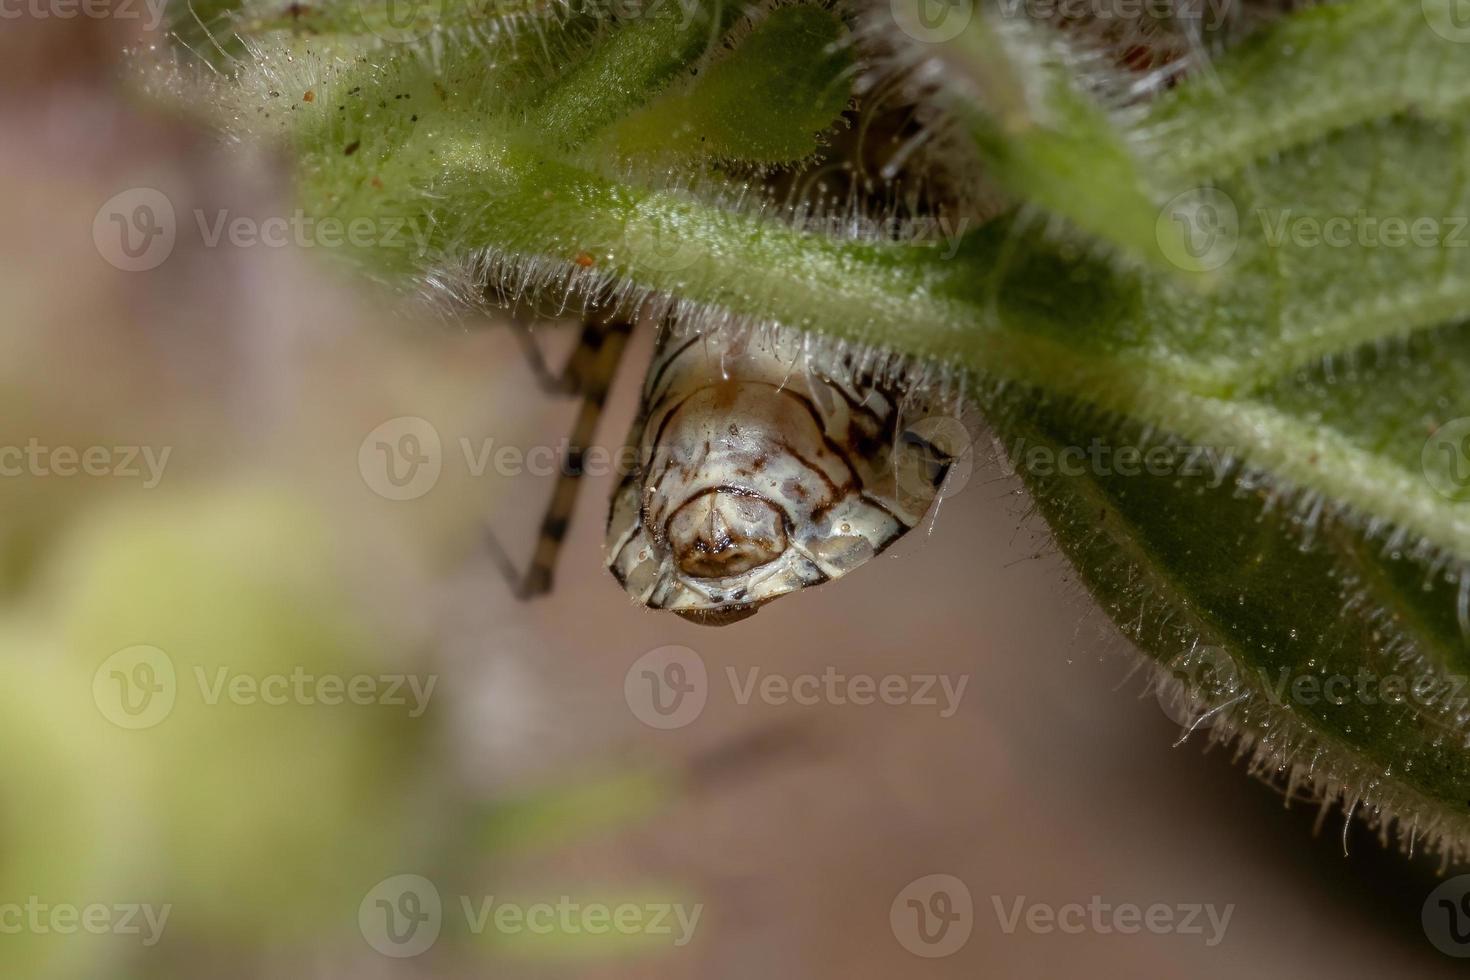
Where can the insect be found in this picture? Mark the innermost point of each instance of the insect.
(759, 467)
(763, 464)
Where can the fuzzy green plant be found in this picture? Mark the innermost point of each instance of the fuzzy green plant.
(1216, 315)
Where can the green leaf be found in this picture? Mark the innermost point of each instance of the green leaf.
(581, 807)
(1300, 315)
(1295, 553)
(1329, 649)
(628, 68)
(763, 104)
(1042, 138)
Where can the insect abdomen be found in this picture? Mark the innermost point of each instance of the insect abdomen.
(759, 473)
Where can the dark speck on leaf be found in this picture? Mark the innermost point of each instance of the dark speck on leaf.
(351, 148)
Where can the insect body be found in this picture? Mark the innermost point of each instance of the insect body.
(762, 469)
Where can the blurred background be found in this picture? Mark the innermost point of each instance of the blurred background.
(269, 709)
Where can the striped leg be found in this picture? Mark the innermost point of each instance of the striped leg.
(567, 382)
(589, 372)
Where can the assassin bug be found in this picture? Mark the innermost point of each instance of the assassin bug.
(761, 468)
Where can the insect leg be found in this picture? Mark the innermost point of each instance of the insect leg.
(569, 381)
(589, 372)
